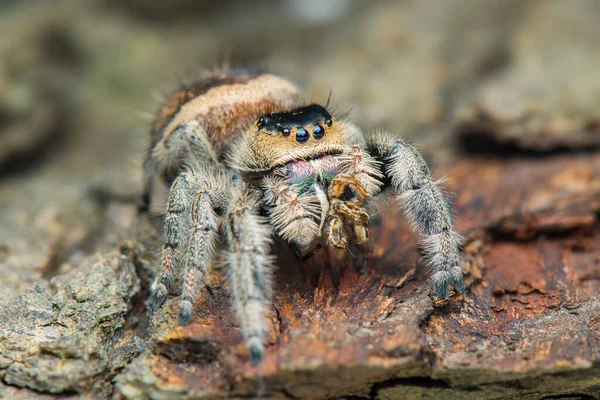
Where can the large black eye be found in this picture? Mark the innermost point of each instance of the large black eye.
(318, 132)
(302, 135)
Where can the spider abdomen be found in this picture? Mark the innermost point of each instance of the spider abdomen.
(221, 105)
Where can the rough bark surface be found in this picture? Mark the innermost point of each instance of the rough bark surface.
(501, 96)
(528, 320)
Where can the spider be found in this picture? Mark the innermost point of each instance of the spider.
(246, 162)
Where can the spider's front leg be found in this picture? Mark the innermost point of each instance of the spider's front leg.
(250, 267)
(294, 215)
(425, 206)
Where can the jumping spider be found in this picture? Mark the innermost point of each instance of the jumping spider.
(245, 161)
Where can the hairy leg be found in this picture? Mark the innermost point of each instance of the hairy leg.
(354, 162)
(176, 207)
(425, 206)
(189, 142)
(250, 267)
(203, 238)
(190, 222)
(187, 145)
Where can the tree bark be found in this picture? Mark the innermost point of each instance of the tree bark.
(527, 324)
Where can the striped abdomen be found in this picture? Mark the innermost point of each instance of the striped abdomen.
(223, 103)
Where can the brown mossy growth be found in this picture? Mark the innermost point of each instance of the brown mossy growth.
(529, 315)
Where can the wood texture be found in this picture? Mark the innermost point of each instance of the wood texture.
(530, 312)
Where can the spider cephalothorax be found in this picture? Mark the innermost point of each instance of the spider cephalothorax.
(245, 161)
(303, 133)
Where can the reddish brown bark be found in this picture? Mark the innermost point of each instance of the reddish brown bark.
(532, 259)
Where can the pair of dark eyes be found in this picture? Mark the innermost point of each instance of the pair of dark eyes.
(302, 134)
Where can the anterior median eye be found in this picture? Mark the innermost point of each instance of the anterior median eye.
(302, 135)
(318, 132)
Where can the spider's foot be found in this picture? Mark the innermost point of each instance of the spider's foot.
(443, 279)
(440, 284)
(457, 280)
(185, 312)
(256, 349)
(158, 295)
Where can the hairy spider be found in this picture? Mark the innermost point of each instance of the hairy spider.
(245, 161)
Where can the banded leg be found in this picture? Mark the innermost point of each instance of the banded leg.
(250, 269)
(426, 208)
(176, 207)
(200, 252)
(187, 142)
(363, 168)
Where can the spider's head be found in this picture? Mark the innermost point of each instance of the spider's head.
(302, 133)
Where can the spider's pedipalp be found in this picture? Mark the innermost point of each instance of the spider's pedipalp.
(426, 208)
(250, 267)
